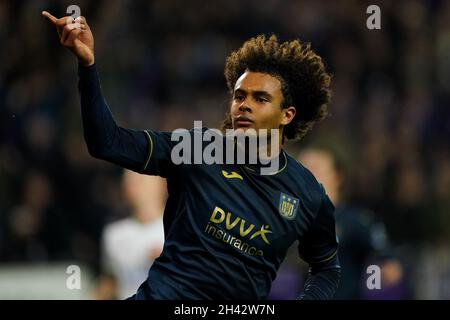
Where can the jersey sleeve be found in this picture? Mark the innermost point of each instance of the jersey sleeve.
(104, 138)
(319, 245)
(158, 160)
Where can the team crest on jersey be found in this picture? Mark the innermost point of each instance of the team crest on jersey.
(288, 206)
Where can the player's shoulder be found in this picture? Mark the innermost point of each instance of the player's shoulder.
(176, 134)
(195, 134)
(200, 130)
(119, 227)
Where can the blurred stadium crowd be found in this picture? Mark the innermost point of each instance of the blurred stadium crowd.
(161, 66)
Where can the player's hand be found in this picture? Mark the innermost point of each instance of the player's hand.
(76, 36)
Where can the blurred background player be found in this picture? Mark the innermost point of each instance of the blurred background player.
(130, 245)
(362, 237)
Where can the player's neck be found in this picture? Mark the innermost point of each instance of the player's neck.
(270, 151)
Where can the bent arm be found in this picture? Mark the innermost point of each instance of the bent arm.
(104, 138)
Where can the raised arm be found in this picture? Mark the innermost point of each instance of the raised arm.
(104, 138)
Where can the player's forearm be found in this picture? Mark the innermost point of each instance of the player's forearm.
(98, 123)
(104, 138)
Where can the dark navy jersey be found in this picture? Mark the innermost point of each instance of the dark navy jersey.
(227, 227)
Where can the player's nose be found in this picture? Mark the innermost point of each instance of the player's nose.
(245, 108)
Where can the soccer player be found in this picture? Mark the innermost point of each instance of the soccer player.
(130, 245)
(227, 226)
(362, 238)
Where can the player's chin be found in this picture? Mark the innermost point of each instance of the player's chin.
(248, 129)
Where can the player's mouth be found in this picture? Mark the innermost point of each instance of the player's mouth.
(242, 122)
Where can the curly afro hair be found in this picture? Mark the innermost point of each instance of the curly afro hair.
(305, 84)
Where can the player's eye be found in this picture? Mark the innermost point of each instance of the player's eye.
(238, 97)
(261, 100)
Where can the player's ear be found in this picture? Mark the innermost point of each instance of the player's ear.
(288, 115)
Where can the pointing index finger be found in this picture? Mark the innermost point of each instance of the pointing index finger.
(49, 17)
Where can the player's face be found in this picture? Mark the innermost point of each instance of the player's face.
(257, 99)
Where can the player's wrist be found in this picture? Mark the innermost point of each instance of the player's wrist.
(85, 70)
(86, 63)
